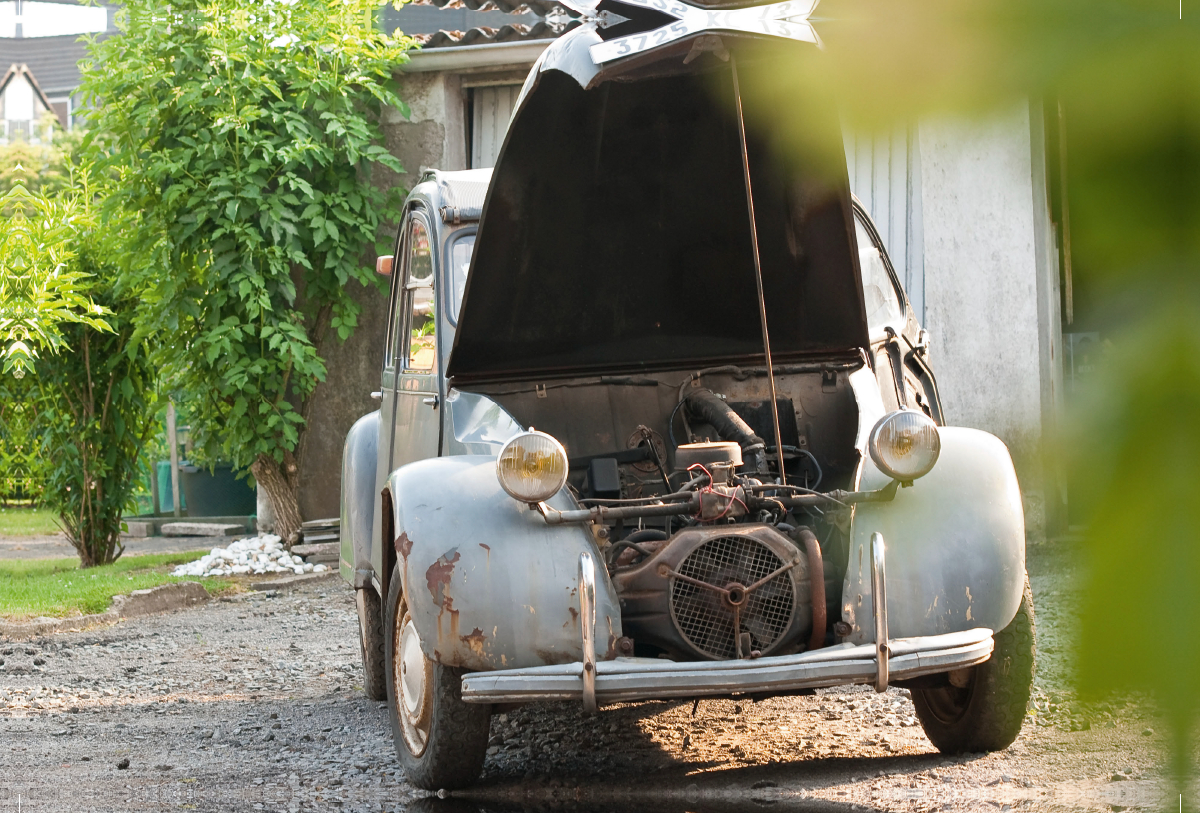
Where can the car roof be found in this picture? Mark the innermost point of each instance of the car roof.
(458, 196)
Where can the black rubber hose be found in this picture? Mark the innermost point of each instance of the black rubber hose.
(706, 406)
(631, 541)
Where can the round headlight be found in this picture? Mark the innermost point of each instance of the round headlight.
(905, 445)
(532, 467)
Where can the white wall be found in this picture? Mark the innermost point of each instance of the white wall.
(19, 100)
(982, 268)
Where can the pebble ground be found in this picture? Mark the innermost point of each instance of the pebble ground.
(254, 702)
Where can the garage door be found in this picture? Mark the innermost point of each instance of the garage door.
(491, 108)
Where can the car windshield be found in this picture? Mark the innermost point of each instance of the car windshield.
(460, 261)
(883, 305)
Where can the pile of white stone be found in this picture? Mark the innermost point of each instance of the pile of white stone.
(256, 554)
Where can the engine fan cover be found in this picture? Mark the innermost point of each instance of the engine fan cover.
(688, 596)
(705, 618)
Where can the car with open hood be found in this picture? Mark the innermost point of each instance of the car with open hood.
(658, 421)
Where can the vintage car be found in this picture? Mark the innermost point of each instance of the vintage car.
(658, 421)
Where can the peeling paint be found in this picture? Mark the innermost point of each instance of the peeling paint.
(403, 544)
(475, 641)
(439, 573)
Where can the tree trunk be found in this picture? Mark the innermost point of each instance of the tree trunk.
(279, 480)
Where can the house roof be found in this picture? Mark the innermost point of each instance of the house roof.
(53, 60)
(541, 8)
(483, 35)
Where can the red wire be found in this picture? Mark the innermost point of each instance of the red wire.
(731, 499)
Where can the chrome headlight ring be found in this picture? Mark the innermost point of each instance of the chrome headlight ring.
(532, 467)
(905, 444)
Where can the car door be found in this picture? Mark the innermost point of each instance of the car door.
(409, 411)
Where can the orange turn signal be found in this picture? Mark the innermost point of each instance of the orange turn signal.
(383, 265)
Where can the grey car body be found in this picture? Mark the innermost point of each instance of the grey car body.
(610, 303)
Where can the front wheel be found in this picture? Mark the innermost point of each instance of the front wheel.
(984, 706)
(441, 741)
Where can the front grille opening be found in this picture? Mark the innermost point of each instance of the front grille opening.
(702, 617)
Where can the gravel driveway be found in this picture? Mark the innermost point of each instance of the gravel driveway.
(254, 703)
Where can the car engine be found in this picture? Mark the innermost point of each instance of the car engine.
(727, 564)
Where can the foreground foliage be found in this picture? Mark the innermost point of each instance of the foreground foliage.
(244, 137)
(1126, 74)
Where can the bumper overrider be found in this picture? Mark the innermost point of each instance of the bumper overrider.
(624, 679)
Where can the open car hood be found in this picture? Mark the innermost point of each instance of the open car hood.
(616, 235)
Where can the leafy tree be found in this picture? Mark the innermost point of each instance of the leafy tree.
(73, 430)
(41, 288)
(244, 135)
(95, 408)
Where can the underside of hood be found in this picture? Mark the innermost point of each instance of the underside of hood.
(616, 236)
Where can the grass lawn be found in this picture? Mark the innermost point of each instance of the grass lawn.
(58, 588)
(28, 522)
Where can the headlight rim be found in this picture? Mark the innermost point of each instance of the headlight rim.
(559, 449)
(877, 457)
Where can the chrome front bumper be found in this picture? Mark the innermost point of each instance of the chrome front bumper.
(626, 679)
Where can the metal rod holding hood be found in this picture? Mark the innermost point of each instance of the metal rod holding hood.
(758, 279)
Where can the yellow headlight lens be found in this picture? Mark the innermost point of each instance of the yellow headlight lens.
(905, 444)
(532, 467)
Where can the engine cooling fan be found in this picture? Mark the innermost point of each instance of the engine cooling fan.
(730, 587)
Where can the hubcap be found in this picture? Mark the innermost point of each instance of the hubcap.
(412, 674)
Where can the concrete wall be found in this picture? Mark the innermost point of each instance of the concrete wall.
(985, 270)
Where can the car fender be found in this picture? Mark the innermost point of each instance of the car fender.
(360, 456)
(488, 583)
(954, 544)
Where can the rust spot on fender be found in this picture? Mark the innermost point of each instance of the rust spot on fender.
(475, 641)
(486, 547)
(611, 652)
(438, 576)
(574, 614)
(403, 544)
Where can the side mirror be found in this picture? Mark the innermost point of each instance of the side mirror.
(383, 265)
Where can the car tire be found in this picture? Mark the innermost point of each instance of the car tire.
(986, 713)
(370, 641)
(441, 741)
